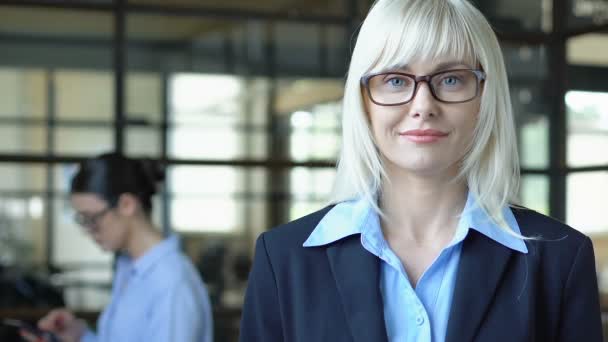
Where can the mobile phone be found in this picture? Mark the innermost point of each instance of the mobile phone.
(31, 329)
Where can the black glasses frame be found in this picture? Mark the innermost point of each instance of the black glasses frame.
(480, 74)
(91, 221)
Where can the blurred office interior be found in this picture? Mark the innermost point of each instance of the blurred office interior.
(241, 100)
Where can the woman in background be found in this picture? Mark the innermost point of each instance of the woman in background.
(157, 294)
(423, 242)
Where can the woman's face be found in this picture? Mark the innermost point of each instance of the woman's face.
(102, 222)
(424, 137)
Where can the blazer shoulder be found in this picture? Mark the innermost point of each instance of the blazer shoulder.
(294, 233)
(542, 228)
(533, 223)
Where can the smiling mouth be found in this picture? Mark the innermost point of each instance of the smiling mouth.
(424, 135)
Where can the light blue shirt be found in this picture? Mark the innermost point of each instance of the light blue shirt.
(412, 314)
(157, 297)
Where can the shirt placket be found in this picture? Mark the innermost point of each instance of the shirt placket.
(414, 309)
(118, 296)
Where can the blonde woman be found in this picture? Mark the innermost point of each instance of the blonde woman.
(422, 241)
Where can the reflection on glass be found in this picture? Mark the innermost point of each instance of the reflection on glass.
(84, 95)
(217, 117)
(23, 103)
(527, 68)
(55, 22)
(319, 8)
(144, 96)
(156, 27)
(23, 93)
(198, 214)
(22, 177)
(299, 94)
(586, 201)
(22, 233)
(219, 180)
(313, 107)
(315, 134)
(309, 190)
(217, 199)
(22, 214)
(587, 128)
(142, 141)
(534, 147)
(302, 54)
(86, 141)
(199, 142)
(587, 12)
(588, 49)
(534, 193)
(517, 15)
(19, 138)
(527, 65)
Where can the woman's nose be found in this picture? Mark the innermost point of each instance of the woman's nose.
(423, 103)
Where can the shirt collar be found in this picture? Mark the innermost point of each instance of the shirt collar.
(352, 217)
(142, 264)
(473, 216)
(344, 219)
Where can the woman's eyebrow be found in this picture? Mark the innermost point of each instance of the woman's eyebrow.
(395, 67)
(451, 64)
(439, 67)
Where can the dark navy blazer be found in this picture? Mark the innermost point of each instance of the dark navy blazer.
(332, 292)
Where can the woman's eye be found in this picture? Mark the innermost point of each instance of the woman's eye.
(396, 82)
(450, 81)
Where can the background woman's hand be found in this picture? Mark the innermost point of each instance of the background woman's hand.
(62, 323)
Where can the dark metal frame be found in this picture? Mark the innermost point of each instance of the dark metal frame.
(557, 123)
(197, 11)
(120, 66)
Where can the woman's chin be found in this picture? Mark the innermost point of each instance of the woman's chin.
(425, 169)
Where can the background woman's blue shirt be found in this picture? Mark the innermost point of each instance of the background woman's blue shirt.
(158, 297)
(420, 314)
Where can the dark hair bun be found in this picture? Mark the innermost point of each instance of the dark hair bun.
(112, 174)
(154, 172)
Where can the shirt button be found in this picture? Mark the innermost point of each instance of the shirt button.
(419, 320)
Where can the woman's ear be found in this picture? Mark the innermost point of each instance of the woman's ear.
(128, 204)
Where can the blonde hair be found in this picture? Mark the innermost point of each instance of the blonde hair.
(398, 31)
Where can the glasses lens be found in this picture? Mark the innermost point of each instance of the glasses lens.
(82, 220)
(455, 85)
(89, 221)
(391, 89)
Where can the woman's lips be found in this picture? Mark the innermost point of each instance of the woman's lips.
(424, 135)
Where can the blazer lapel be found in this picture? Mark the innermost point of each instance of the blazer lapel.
(482, 264)
(357, 275)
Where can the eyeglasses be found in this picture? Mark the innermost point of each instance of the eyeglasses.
(90, 221)
(449, 86)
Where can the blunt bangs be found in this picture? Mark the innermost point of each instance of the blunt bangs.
(421, 30)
